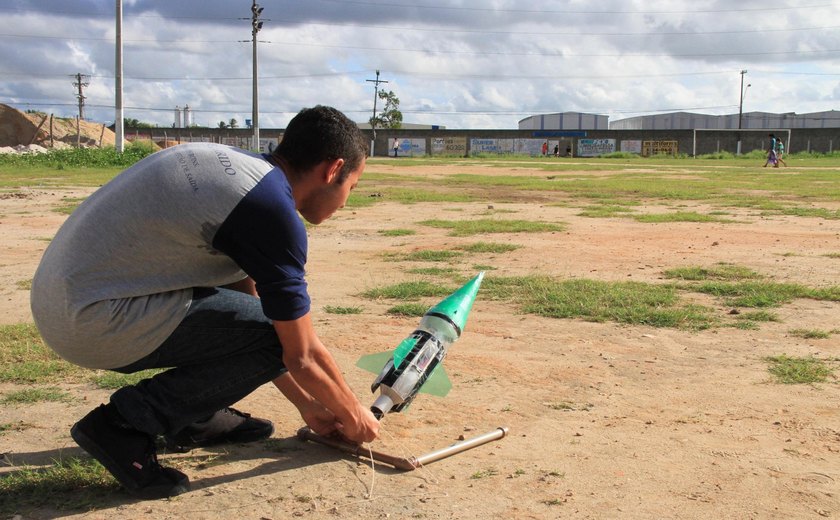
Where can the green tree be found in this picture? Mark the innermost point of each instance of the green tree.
(130, 122)
(233, 123)
(390, 117)
(222, 124)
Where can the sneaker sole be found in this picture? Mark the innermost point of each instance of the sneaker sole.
(242, 437)
(148, 492)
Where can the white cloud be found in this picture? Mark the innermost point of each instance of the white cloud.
(459, 63)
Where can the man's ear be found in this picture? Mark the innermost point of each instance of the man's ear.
(333, 170)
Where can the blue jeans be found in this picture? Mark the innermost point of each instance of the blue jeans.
(224, 349)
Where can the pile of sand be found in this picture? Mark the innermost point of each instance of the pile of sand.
(19, 128)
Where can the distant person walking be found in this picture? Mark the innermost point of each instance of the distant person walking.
(780, 152)
(396, 146)
(771, 153)
(556, 150)
(545, 148)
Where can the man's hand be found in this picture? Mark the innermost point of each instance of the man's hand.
(364, 429)
(318, 418)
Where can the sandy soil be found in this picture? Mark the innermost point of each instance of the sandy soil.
(605, 420)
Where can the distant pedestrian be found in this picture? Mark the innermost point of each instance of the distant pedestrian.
(396, 146)
(780, 152)
(545, 148)
(771, 153)
(557, 150)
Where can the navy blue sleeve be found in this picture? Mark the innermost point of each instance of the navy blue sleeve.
(267, 239)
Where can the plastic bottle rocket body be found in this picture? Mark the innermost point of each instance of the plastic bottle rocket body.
(418, 355)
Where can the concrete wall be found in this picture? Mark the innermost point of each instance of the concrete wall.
(812, 139)
(822, 140)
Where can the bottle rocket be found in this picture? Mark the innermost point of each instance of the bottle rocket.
(417, 357)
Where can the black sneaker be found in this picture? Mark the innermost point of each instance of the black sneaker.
(226, 425)
(128, 454)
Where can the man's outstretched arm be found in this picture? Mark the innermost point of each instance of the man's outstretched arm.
(315, 371)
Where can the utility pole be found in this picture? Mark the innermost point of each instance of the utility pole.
(119, 121)
(256, 25)
(740, 112)
(376, 83)
(80, 84)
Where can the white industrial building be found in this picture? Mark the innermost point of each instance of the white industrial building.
(749, 121)
(565, 121)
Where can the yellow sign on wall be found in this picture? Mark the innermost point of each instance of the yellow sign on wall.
(659, 148)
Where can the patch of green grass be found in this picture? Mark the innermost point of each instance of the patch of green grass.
(24, 358)
(489, 472)
(35, 395)
(798, 370)
(433, 271)
(24, 285)
(463, 228)
(744, 325)
(754, 294)
(109, 380)
(483, 267)
(408, 291)
(69, 205)
(430, 255)
(721, 271)
(330, 309)
(757, 316)
(832, 255)
(823, 213)
(408, 310)
(489, 247)
(413, 196)
(362, 199)
(397, 232)
(623, 302)
(604, 211)
(68, 484)
(74, 159)
(680, 216)
(810, 333)
(831, 294)
(16, 427)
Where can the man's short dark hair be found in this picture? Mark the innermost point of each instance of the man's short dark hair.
(321, 134)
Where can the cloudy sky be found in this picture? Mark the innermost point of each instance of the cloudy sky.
(458, 63)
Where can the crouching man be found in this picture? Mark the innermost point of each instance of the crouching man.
(193, 260)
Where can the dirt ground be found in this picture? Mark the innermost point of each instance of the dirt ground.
(605, 420)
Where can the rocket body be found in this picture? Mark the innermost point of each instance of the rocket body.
(419, 355)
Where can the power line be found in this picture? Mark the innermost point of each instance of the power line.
(447, 31)
(561, 54)
(424, 74)
(415, 5)
(770, 9)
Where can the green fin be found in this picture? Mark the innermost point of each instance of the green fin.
(438, 383)
(374, 362)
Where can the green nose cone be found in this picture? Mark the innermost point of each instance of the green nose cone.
(458, 304)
